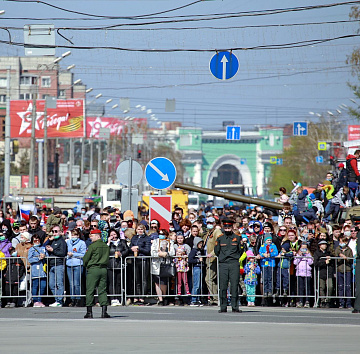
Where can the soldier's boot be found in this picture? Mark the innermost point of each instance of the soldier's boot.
(89, 313)
(104, 313)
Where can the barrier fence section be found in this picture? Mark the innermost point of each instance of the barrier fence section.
(294, 279)
(14, 285)
(148, 277)
(336, 281)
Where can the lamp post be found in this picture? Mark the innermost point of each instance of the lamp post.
(33, 122)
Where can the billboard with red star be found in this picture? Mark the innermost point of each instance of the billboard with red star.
(64, 121)
(117, 126)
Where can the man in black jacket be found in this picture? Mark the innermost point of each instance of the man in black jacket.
(57, 249)
(357, 277)
(35, 229)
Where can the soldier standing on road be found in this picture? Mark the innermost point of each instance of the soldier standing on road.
(228, 249)
(96, 260)
(210, 238)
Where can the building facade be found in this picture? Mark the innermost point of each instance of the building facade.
(209, 159)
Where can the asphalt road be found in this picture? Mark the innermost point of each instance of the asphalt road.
(179, 330)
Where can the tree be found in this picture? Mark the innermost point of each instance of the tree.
(300, 158)
(165, 150)
(24, 162)
(354, 61)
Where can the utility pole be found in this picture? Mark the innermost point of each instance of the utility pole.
(32, 145)
(91, 160)
(7, 141)
(99, 167)
(45, 147)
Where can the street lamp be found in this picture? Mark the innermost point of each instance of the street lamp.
(72, 66)
(98, 95)
(89, 90)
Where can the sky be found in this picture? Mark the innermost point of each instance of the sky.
(272, 86)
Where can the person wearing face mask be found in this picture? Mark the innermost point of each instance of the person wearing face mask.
(57, 249)
(160, 256)
(6, 229)
(119, 250)
(5, 244)
(14, 271)
(343, 271)
(36, 258)
(303, 263)
(15, 234)
(76, 249)
(228, 249)
(154, 229)
(210, 238)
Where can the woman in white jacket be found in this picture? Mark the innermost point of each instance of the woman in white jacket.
(159, 254)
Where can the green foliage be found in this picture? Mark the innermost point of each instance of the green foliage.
(300, 158)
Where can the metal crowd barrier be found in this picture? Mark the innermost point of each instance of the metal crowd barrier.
(131, 278)
(339, 283)
(140, 282)
(14, 285)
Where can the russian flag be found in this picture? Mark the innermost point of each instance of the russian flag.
(25, 210)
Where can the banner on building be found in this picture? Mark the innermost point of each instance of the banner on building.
(353, 132)
(117, 126)
(64, 121)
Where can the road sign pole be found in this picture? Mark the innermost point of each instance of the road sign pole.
(130, 181)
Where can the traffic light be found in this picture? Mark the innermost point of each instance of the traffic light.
(332, 160)
(139, 154)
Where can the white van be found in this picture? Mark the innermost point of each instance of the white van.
(111, 195)
(193, 201)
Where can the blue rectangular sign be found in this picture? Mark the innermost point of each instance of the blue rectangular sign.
(300, 128)
(233, 132)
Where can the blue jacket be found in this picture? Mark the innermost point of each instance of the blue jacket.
(37, 265)
(144, 244)
(268, 262)
(78, 249)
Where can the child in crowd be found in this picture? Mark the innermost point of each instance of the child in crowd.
(197, 258)
(282, 276)
(343, 271)
(251, 271)
(325, 267)
(14, 271)
(182, 268)
(303, 263)
(268, 252)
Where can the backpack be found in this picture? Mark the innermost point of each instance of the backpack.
(2, 261)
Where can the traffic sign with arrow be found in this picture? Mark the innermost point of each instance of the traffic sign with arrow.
(160, 173)
(224, 65)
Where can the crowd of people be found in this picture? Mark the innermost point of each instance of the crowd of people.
(303, 255)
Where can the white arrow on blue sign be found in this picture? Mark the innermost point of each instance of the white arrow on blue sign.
(224, 65)
(300, 128)
(160, 173)
(319, 159)
(279, 161)
(233, 132)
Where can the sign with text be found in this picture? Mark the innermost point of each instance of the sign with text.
(353, 132)
(117, 126)
(64, 121)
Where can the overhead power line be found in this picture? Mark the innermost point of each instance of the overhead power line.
(290, 45)
(244, 13)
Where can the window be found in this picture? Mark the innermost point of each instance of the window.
(25, 96)
(2, 98)
(28, 80)
(46, 81)
(3, 81)
(62, 93)
(186, 140)
(44, 96)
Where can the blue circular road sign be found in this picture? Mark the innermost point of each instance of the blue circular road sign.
(160, 173)
(224, 65)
